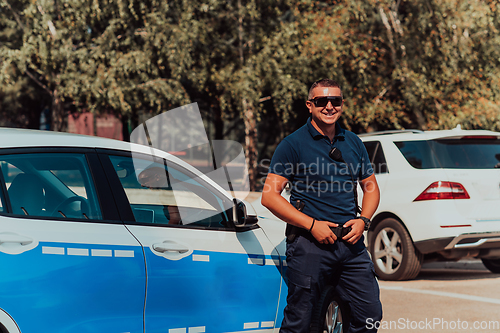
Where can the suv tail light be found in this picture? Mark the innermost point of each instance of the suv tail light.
(443, 190)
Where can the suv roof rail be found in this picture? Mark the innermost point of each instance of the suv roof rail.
(415, 131)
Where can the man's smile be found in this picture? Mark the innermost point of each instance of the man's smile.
(331, 113)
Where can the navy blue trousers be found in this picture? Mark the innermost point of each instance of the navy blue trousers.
(312, 266)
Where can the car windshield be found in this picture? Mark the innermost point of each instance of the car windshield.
(465, 153)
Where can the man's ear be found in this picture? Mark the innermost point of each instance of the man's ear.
(309, 105)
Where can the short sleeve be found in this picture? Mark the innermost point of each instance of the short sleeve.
(366, 166)
(284, 160)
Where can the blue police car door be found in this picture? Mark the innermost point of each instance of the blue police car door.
(203, 275)
(68, 263)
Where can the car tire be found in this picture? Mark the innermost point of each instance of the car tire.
(492, 264)
(331, 314)
(394, 256)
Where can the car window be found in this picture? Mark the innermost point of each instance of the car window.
(377, 157)
(464, 153)
(50, 184)
(162, 194)
(468, 153)
(418, 153)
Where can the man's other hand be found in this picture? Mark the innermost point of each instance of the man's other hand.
(322, 232)
(358, 226)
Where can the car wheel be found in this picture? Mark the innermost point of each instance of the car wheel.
(492, 264)
(331, 314)
(393, 253)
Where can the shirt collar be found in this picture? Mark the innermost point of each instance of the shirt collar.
(339, 131)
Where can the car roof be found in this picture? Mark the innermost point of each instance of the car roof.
(17, 138)
(28, 138)
(413, 135)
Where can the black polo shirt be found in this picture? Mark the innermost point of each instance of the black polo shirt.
(323, 184)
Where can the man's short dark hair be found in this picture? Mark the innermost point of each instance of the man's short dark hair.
(324, 83)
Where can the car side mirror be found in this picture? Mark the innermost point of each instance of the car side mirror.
(241, 217)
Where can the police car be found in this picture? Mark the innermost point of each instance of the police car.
(98, 235)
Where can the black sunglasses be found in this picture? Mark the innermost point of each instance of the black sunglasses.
(323, 101)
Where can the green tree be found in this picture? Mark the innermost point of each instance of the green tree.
(428, 64)
(131, 56)
(241, 65)
(140, 56)
(20, 100)
(42, 52)
(425, 64)
(112, 55)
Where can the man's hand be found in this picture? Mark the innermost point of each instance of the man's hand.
(322, 232)
(358, 226)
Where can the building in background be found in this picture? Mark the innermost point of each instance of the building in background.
(106, 125)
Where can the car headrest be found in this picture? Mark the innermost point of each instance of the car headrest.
(26, 191)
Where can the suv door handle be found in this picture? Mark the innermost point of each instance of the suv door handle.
(172, 250)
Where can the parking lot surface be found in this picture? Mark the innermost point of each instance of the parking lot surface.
(445, 297)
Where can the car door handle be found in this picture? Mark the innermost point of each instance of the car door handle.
(171, 250)
(14, 239)
(12, 243)
(170, 246)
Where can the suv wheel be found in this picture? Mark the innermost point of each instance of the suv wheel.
(331, 314)
(492, 264)
(393, 253)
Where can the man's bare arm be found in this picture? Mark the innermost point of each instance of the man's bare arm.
(371, 198)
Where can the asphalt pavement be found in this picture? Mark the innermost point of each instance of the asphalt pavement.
(458, 296)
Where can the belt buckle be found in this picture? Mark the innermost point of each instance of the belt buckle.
(340, 231)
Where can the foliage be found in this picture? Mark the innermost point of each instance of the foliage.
(113, 55)
(241, 65)
(412, 64)
(428, 64)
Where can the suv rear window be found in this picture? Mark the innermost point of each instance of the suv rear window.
(464, 153)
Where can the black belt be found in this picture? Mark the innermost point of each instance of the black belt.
(292, 231)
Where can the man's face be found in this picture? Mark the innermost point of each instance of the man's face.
(325, 115)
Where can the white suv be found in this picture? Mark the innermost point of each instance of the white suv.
(440, 199)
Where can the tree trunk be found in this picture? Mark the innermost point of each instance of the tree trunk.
(419, 116)
(250, 122)
(218, 123)
(58, 114)
(126, 124)
(130, 122)
(249, 118)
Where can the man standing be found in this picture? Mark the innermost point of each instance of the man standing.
(323, 163)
